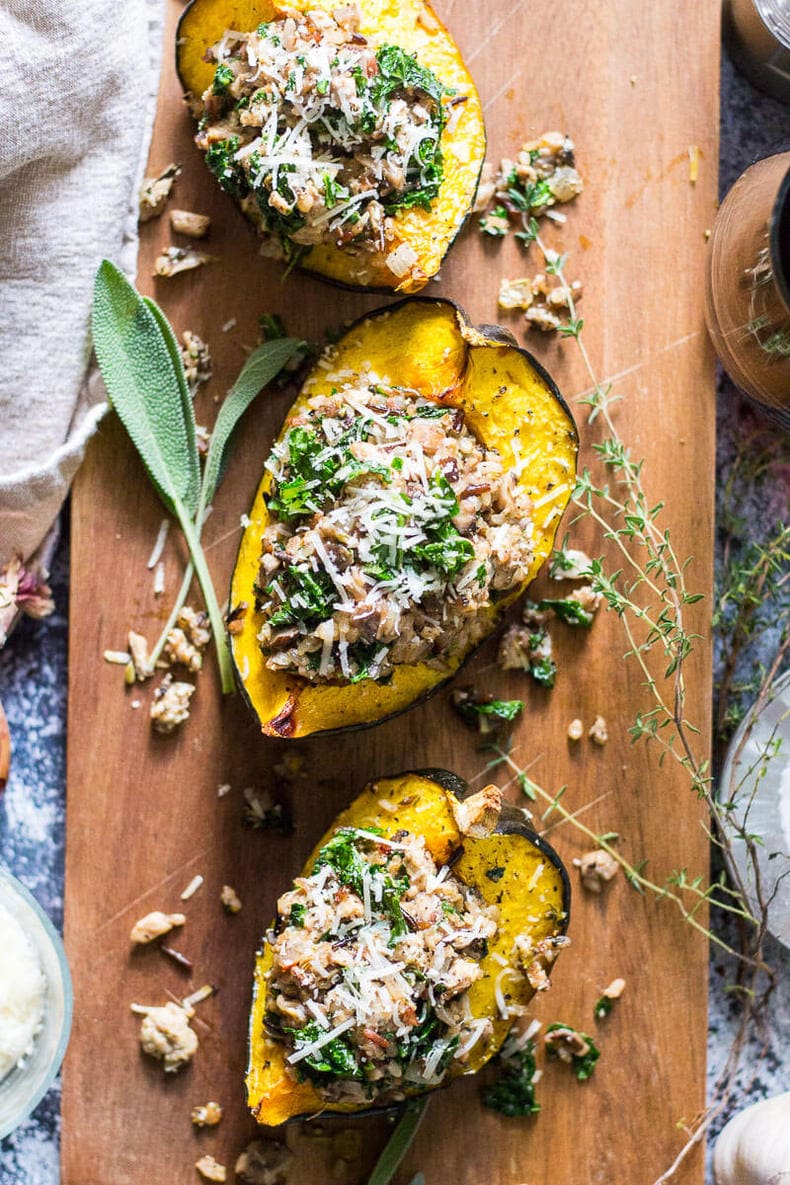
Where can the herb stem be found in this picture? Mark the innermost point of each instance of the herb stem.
(192, 536)
(399, 1142)
(180, 601)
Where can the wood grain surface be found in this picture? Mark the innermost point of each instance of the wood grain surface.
(635, 85)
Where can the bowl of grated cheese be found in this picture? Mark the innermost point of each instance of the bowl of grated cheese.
(35, 1003)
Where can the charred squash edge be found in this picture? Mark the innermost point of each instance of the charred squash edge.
(511, 822)
(473, 114)
(282, 723)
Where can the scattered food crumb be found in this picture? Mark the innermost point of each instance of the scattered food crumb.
(198, 997)
(155, 193)
(569, 563)
(159, 579)
(154, 925)
(632, 80)
(546, 301)
(223, 789)
(478, 815)
(573, 1048)
(231, 902)
(136, 703)
(693, 163)
(575, 730)
(607, 998)
(484, 712)
(185, 222)
(230, 324)
(170, 705)
(207, 1114)
(119, 657)
(262, 813)
(188, 639)
(174, 260)
(192, 887)
(177, 956)
(706, 235)
(264, 1162)
(542, 175)
(596, 869)
(165, 1034)
(138, 649)
(485, 188)
(210, 1169)
(196, 358)
(159, 544)
(598, 734)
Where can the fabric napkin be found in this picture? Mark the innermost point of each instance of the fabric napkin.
(78, 84)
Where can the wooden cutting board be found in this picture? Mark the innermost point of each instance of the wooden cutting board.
(635, 85)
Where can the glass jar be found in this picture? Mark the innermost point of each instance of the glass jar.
(747, 298)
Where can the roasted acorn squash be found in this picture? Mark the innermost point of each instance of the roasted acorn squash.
(510, 403)
(411, 25)
(512, 867)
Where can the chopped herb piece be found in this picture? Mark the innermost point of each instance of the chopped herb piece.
(497, 709)
(297, 914)
(603, 1006)
(271, 326)
(569, 611)
(544, 671)
(223, 77)
(573, 1046)
(496, 873)
(219, 158)
(513, 1092)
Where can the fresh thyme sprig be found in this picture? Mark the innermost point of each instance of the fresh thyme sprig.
(143, 372)
(649, 594)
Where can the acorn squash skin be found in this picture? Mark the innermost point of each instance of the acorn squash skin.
(414, 26)
(534, 884)
(428, 345)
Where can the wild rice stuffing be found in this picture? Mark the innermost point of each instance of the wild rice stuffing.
(322, 137)
(375, 953)
(393, 532)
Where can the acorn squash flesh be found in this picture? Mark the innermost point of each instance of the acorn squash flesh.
(510, 404)
(412, 25)
(529, 885)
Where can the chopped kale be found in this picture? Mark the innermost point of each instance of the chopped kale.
(583, 1063)
(309, 597)
(513, 1092)
(335, 1058)
(228, 172)
(485, 714)
(569, 611)
(223, 77)
(603, 1006)
(543, 671)
(448, 550)
(342, 855)
(296, 914)
(399, 70)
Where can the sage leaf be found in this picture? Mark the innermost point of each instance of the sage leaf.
(399, 1142)
(186, 395)
(263, 364)
(143, 386)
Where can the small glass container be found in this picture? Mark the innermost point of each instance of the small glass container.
(747, 297)
(757, 36)
(756, 779)
(24, 1087)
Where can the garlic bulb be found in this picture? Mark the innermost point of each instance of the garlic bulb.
(754, 1147)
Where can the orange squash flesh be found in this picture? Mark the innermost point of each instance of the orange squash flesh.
(533, 896)
(412, 25)
(509, 402)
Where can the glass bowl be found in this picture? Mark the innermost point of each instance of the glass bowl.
(24, 1087)
(756, 779)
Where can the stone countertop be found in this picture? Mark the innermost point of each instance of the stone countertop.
(33, 689)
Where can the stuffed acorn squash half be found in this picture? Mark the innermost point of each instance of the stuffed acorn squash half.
(412, 494)
(350, 135)
(423, 923)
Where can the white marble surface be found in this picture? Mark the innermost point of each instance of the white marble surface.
(33, 691)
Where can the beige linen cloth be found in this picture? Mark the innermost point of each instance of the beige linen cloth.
(78, 85)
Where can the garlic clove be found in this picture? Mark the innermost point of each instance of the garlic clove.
(754, 1147)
